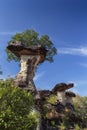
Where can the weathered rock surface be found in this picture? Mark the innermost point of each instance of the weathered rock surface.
(30, 57)
(24, 78)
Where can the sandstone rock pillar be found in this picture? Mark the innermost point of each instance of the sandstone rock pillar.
(29, 57)
(24, 78)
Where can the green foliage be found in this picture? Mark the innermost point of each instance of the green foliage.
(80, 104)
(62, 126)
(52, 99)
(30, 37)
(77, 127)
(53, 123)
(0, 71)
(16, 107)
(11, 56)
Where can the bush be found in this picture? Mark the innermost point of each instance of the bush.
(16, 106)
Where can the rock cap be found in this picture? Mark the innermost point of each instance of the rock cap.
(62, 87)
(20, 49)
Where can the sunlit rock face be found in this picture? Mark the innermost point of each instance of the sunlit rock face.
(24, 78)
(69, 97)
(60, 91)
(61, 97)
(69, 100)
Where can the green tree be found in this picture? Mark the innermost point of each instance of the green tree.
(0, 70)
(30, 37)
(16, 108)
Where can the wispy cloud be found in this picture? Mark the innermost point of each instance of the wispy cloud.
(9, 33)
(39, 75)
(83, 64)
(78, 84)
(81, 51)
(75, 90)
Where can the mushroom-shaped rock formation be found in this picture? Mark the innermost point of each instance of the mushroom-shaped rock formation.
(60, 89)
(69, 100)
(30, 57)
(70, 94)
(69, 97)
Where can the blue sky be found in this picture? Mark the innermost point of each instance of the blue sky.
(65, 21)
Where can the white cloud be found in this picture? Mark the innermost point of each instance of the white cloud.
(81, 51)
(39, 75)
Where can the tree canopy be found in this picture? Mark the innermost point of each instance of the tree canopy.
(0, 70)
(31, 37)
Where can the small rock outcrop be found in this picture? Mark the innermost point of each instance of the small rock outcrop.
(55, 112)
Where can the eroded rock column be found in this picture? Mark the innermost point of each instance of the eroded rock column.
(24, 78)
